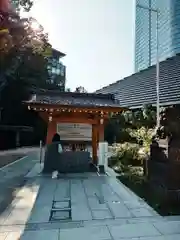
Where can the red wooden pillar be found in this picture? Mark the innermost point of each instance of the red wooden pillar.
(51, 130)
(94, 143)
(101, 130)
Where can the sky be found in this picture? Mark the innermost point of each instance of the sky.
(96, 35)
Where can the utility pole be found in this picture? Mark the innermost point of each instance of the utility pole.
(157, 61)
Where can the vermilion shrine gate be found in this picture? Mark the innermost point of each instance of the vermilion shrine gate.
(79, 118)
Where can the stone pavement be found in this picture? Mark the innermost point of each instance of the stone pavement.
(21, 150)
(82, 206)
(12, 175)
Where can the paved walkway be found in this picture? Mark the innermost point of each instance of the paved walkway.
(12, 175)
(81, 206)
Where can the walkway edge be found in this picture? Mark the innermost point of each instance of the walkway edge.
(10, 164)
(133, 193)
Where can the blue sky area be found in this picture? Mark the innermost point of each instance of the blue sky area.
(96, 35)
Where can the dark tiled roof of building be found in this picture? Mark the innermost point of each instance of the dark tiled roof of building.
(140, 88)
(75, 99)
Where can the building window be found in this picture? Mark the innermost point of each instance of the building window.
(53, 70)
(56, 71)
(62, 71)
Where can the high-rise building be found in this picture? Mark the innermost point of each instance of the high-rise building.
(146, 36)
(16, 5)
(56, 70)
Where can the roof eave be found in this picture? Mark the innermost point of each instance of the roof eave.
(58, 106)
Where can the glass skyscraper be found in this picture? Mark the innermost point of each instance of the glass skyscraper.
(146, 26)
(16, 5)
(56, 71)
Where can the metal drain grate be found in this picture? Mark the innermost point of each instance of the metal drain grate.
(60, 215)
(61, 205)
(61, 210)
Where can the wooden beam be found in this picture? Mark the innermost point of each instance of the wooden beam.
(75, 120)
(95, 109)
(94, 144)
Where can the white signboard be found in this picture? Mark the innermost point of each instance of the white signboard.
(75, 132)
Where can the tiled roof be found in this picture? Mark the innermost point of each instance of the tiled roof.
(75, 99)
(140, 88)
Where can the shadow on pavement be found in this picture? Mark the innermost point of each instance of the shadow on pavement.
(8, 194)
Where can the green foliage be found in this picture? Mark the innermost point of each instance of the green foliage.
(126, 154)
(169, 122)
(21, 33)
(141, 117)
(20, 71)
(20, 75)
(143, 136)
(81, 89)
(22, 66)
(26, 65)
(136, 178)
(26, 4)
(67, 90)
(118, 128)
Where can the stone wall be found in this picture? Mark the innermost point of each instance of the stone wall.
(66, 162)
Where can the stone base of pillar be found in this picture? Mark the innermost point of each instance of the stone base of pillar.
(101, 169)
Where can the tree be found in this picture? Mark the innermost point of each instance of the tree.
(25, 4)
(67, 90)
(145, 117)
(30, 72)
(81, 89)
(20, 32)
(122, 126)
(21, 40)
(23, 63)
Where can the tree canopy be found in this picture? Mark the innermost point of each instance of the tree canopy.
(20, 32)
(118, 127)
(25, 4)
(23, 46)
(81, 89)
(6, 5)
(23, 63)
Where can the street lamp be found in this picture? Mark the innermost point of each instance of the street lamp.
(157, 61)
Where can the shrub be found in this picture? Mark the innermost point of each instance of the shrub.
(143, 136)
(124, 155)
(136, 179)
(128, 154)
(113, 161)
